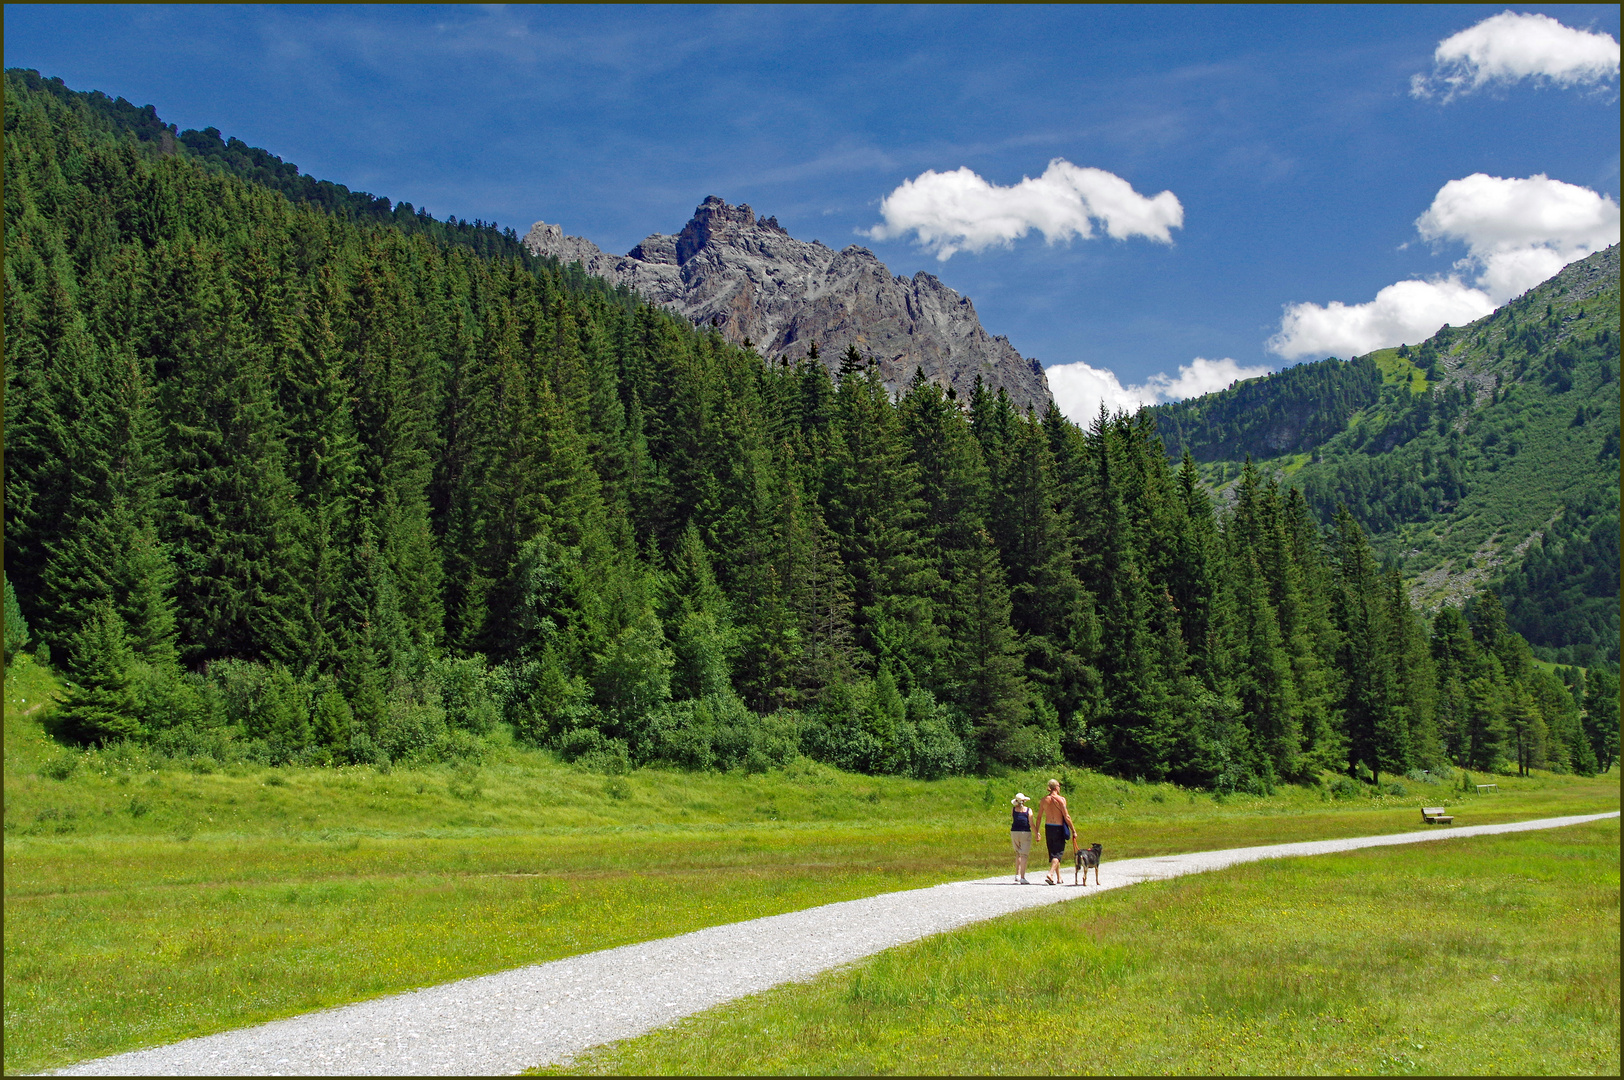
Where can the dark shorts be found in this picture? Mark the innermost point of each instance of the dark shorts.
(1055, 836)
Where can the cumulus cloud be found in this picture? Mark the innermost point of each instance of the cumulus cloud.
(959, 211)
(1079, 389)
(1517, 232)
(1404, 312)
(1512, 46)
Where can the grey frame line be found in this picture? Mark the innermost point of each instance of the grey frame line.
(546, 1013)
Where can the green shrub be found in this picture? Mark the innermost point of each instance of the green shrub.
(61, 767)
(676, 737)
(464, 690)
(612, 760)
(936, 750)
(460, 745)
(16, 628)
(332, 721)
(1344, 787)
(410, 730)
(1025, 747)
(593, 750)
(464, 783)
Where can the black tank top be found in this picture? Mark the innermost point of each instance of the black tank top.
(1021, 821)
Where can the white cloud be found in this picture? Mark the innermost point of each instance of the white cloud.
(1406, 312)
(1512, 46)
(1199, 376)
(1517, 232)
(959, 211)
(1079, 389)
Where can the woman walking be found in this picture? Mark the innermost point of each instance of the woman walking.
(1020, 835)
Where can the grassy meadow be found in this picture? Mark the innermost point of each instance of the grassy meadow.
(1491, 955)
(149, 900)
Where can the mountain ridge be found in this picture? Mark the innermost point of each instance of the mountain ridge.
(757, 284)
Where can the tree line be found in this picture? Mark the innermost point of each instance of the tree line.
(284, 484)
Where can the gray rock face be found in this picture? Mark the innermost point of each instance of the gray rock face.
(754, 282)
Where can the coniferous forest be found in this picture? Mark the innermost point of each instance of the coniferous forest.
(294, 484)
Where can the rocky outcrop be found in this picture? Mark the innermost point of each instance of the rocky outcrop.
(756, 283)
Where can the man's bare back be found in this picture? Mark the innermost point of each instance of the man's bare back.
(1057, 828)
(1052, 808)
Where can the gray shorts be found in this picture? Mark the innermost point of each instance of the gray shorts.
(1022, 842)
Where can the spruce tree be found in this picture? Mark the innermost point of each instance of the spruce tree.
(1455, 659)
(1376, 731)
(100, 706)
(989, 684)
(873, 509)
(16, 627)
(1601, 716)
(1135, 718)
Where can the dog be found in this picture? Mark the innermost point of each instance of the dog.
(1087, 857)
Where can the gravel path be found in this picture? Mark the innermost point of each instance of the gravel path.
(545, 1013)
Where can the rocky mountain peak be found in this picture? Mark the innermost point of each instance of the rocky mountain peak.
(754, 282)
(713, 219)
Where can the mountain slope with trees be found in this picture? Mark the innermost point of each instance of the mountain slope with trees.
(287, 485)
(1486, 456)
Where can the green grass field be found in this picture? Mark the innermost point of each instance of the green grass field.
(148, 901)
(1492, 955)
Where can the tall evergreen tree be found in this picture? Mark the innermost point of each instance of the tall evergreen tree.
(1378, 735)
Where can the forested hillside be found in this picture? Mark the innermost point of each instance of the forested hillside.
(286, 484)
(1485, 456)
(116, 116)
(1289, 412)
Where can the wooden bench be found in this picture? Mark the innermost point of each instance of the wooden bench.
(1435, 815)
(1488, 787)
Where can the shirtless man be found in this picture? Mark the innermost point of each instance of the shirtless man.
(1056, 830)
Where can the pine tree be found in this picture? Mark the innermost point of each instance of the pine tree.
(1312, 640)
(1377, 732)
(100, 706)
(16, 627)
(323, 451)
(233, 525)
(989, 684)
(1264, 679)
(1135, 718)
(1415, 679)
(873, 510)
(1487, 736)
(700, 627)
(393, 373)
(1601, 716)
(1196, 584)
(953, 486)
(1455, 659)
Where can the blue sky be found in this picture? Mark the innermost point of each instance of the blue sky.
(1296, 142)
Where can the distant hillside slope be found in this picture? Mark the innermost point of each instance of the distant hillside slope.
(1486, 456)
(1285, 413)
(118, 118)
